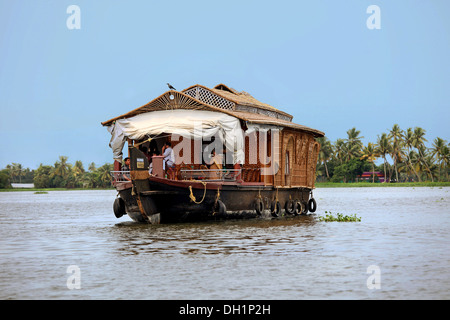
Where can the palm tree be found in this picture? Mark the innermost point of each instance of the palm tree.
(354, 144)
(395, 135)
(352, 150)
(439, 151)
(426, 164)
(384, 148)
(433, 168)
(408, 140)
(104, 174)
(12, 172)
(414, 163)
(78, 167)
(370, 153)
(61, 173)
(15, 170)
(78, 172)
(325, 152)
(339, 149)
(92, 167)
(419, 144)
(446, 157)
(62, 168)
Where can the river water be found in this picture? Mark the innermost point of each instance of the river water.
(69, 245)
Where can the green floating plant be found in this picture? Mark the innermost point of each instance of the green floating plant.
(339, 217)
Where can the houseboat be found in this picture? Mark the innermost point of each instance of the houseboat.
(211, 153)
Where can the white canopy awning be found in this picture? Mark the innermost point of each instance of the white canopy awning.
(192, 124)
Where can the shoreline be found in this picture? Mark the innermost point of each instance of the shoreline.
(318, 185)
(379, 184)
(52, 189)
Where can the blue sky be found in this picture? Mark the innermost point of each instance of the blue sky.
(316, 60)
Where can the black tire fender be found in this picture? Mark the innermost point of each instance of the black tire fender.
(259, 206)
(304, 207)
(119, 207)
(289, 207)
(312, 205)
(275, 208)
(298, 207)
(220, 208)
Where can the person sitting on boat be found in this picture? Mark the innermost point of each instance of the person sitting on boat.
(169, 158)
(126, 169)
(216, 165)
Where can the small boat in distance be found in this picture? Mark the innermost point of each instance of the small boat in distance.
(227, 155)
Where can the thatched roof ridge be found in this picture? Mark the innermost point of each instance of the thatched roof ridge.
(222, 86)
(240, 98)
(256, 118)
(179, 100)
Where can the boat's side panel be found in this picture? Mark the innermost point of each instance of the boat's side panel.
(189, 199)
(298, 154)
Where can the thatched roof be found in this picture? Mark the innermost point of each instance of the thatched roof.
(242, 98)
(167, 101)
(239, 98)
(220, 98)
(263, 119)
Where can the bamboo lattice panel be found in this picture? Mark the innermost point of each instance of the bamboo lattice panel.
(172, 100)
(210, 98)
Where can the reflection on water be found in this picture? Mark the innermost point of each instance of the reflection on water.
(237, 236)
(404, 232)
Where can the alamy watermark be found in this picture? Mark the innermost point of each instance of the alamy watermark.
(74, 20)
(374, 280)
(374, 20)
(74, 280)
(263, 148)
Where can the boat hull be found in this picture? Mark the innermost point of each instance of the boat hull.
(168, 201)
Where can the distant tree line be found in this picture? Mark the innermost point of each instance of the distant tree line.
(61, 175)
(404, 154)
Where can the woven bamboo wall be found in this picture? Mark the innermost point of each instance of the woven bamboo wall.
(303, 151)
(301, 148)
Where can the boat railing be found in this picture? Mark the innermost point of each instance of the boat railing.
(188, 174)
(210, 174)
(120, 176)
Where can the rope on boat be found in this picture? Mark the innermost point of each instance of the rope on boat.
(192, 197)
(216, 201)
(148, 140)
(138, 144)
(217, 195)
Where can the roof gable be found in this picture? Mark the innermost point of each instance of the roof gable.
(225, 97)
(168, 101)
(207, 96)
(223, 87)
(220, 99)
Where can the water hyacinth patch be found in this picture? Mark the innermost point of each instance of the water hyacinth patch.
(339, 217)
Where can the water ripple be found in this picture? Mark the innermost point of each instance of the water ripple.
(404, 231)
